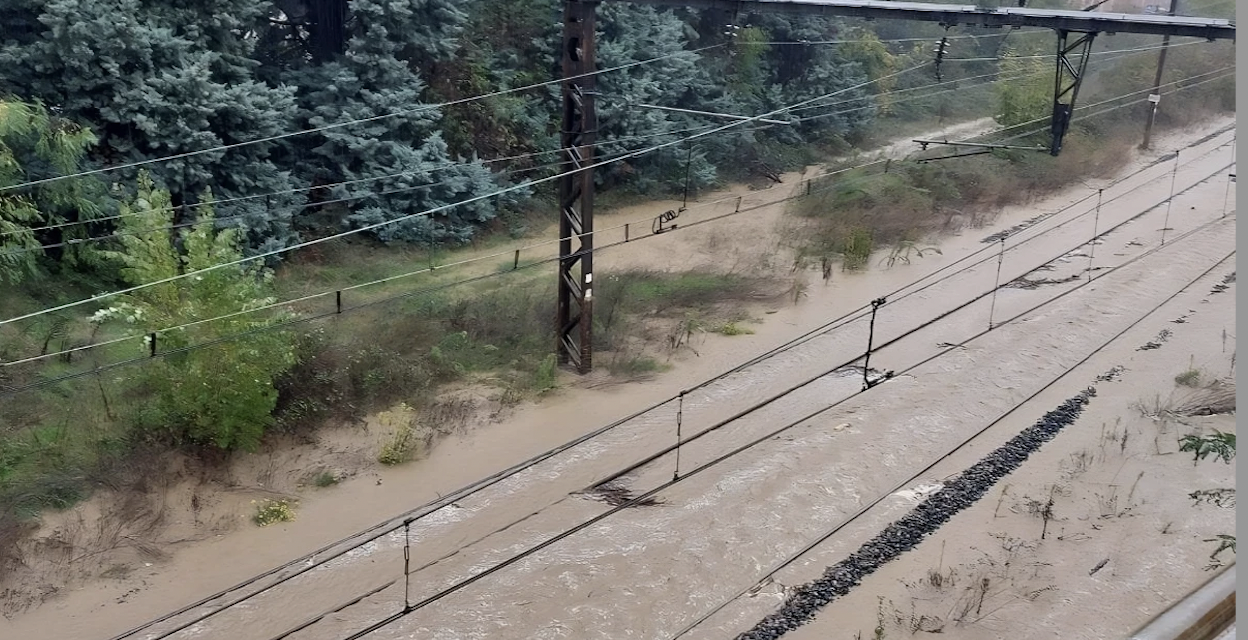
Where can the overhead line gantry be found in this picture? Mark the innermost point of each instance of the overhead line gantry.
(1075, 30)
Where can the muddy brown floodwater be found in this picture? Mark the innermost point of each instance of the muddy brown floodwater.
(649, 571)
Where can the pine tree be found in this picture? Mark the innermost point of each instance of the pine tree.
(396, 163)
(155, 78)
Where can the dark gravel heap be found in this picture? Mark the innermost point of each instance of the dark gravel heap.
(805, 601)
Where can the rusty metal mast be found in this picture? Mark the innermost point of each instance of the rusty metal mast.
(574, 315)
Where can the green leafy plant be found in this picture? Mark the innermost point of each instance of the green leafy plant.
(734, 329)
(325, 479)
(402, 444)
(223, 395)
(544, 377)
(273, 511)
(1221, 445)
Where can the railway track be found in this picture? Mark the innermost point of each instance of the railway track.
(544, 498)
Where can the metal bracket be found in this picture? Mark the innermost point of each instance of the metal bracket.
(1072, 62)
(574, 310)
(923, 144)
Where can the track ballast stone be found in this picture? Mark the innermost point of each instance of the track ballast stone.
(805, 601)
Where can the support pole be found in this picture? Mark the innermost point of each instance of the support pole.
(1096, 223)
(574, 309)
(1155, 97)
(996, 285)
(1066, 83)
(1230, 177)
(866, 362)
(680, 411)
(407, 565)
(1174, 174)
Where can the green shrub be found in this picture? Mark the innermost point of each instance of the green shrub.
(273, 511)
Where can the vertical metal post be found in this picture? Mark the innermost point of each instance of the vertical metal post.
(407, 565)
(1230, 177)
(688, 165)
(1174, 174)
(574, 319)
(1155, 97)
(680, 410)
(992, 309)
(866, 363)
(1096, 223)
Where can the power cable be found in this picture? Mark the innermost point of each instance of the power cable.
(408, 173)
(909, 481)
(217, 203)
(882, 346)
(1042, 119)
(311, 561)
(420, 109)
(152, 335)
(338, 125)
(408, 609)
(428, 212)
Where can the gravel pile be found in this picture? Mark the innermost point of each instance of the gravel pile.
(804, 602)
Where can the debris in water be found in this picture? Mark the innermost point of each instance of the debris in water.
(1157, 342)
(1112, 374)
(1024, 283)
(618, 495)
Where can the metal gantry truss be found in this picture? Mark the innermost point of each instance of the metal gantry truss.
(574, 315)
(1067, 81)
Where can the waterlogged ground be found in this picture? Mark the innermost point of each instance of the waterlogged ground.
(650, 571)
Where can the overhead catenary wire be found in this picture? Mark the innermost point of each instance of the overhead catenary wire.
(625, 155)
(357, 121)
(647, 495)
(148, 334)
(319, 557)
(794, 557)
(359, 196)
(422, 109)
(152, 334)
(80, 241)
(858, 316)
(1106, 101)
(438, 209)
(411, 172)
(216, 203)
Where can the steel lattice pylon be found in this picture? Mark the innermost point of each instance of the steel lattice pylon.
(1066, 83)
(574, 313)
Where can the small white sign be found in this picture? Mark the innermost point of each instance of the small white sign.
(1152, 9)
(1154, 98)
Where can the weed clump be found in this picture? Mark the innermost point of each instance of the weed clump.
(403, 443)
(273, 511)
(1189, 378)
